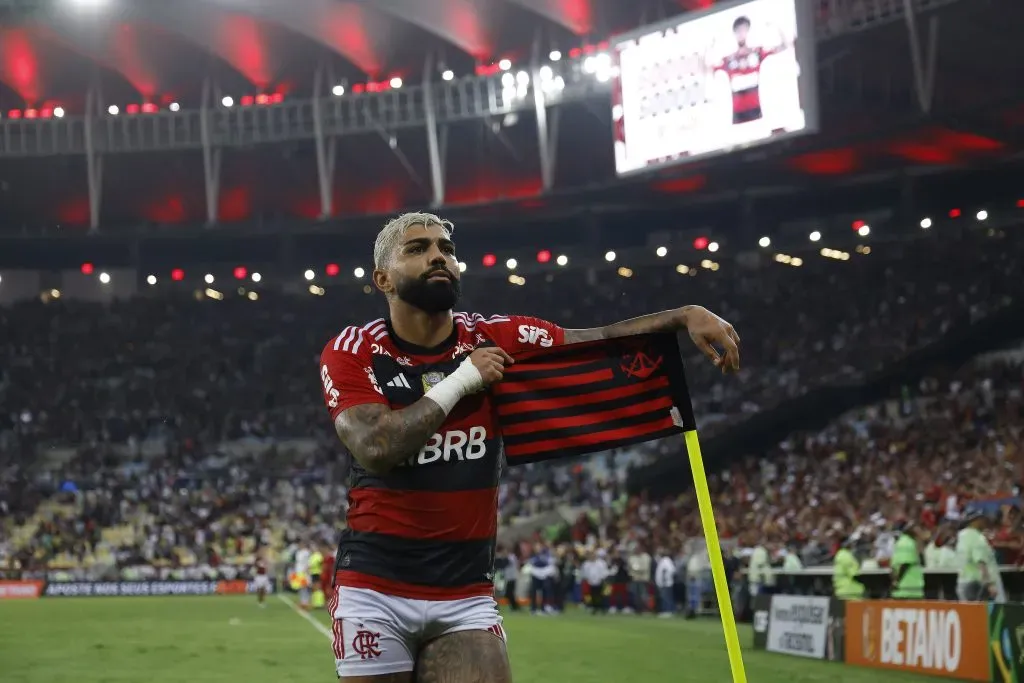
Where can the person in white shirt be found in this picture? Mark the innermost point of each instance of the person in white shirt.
(302, 556)
(939, 554)
(639, 579)
(759, 574)
(791, 564)
(698, 579)
(665, 579)
(932, 553)
(594, 573)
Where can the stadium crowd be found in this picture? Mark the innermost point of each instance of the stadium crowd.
(170, 432)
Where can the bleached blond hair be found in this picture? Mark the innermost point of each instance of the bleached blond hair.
(390, 236)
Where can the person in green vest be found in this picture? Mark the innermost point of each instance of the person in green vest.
(979, 579)
(845, 569)
(316, 567)
(907, 565)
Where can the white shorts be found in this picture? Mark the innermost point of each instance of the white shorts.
(261, 582)
(376, 634)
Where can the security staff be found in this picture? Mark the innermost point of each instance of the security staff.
(907, 565)
(845, 569)
(979, 579)
(316, 567)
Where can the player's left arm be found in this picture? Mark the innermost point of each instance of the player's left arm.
(784, 42)
(715, 337)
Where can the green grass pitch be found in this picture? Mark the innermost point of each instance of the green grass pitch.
(199, 639)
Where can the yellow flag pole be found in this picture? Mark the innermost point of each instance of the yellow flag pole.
(707, 520)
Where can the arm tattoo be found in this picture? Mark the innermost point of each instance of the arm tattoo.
(464, 657)
(379, 438)
(666, 321)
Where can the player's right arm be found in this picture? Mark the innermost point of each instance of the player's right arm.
(377, 436)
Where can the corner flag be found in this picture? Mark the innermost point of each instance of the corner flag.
(593, 396)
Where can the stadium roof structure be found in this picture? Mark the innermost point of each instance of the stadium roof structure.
(908, 88)
(145, 49)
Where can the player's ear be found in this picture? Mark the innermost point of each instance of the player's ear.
(382, 281)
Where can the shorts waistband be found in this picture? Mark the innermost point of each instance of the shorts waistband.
(352, 579)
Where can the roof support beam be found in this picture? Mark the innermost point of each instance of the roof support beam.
(350, 29)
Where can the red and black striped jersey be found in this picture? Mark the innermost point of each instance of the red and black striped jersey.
(743, 68)
(426, 530)
(582, 398)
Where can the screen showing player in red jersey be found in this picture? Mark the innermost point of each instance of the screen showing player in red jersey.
(743, 67)
(408, 396)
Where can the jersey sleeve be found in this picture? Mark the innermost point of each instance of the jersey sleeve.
(346, 373)
(522, 333)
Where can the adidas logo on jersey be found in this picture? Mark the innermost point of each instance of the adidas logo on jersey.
(400, 382)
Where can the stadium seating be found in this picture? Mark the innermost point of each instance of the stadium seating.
(177, 431)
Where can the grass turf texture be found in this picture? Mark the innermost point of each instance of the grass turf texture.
(198, 639)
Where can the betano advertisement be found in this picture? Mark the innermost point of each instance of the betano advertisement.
(946, 639)
(970, 642)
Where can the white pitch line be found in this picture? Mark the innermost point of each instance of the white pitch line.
(305, 615)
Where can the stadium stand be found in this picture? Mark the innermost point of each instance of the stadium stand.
(837, 178)
(170, 437)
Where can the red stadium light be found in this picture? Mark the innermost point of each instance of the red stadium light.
(487, 69)
(31, 113)
(150, 108)
(1020, 203)
(262, 99)
(575, 52)
(247, 100)
(857, 225)
(46, 113)
(543, 256)
(490, 260)
(240, 272)
(954, 213)
(700, 243)
(87, 268)
(277, 98)
(14, 114)
(332, 269)
(358, 88)
(132, 109)
(177, 274)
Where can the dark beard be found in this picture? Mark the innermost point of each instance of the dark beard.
(429, 296)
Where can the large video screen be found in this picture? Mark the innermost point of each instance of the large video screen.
(737, 76)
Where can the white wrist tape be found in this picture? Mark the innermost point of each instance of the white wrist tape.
(464, 381)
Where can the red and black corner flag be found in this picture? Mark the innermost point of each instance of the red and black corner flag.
(581, 398)
(594, 396)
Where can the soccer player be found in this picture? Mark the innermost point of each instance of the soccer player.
(262, 581)
(743, 67)
(414, 567)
